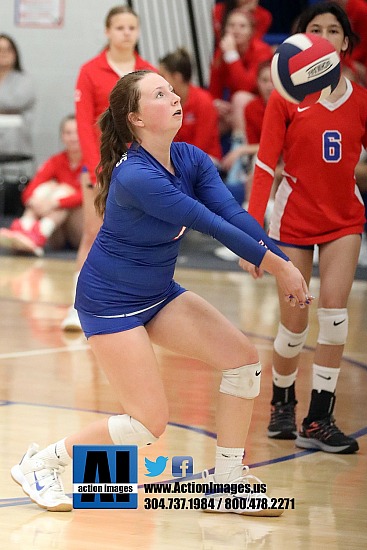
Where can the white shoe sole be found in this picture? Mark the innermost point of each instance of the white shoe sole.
(19, 242)
(18, 477)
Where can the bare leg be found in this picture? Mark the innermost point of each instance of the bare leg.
(91, 221)
(191, 327)
(134, 375)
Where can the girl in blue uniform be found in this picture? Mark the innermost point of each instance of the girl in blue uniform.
(149, 194)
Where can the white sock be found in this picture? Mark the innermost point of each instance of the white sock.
(47, 227)
(284, 380)
(57, 450)
(324, 378)
(27, 221)
(227, 458)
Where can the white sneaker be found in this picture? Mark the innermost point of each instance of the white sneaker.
(225, 254)
(247, 503)
(39, 478)
(71, 321)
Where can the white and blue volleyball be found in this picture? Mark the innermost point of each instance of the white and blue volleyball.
(305, 68)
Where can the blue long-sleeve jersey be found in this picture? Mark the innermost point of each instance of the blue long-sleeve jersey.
(131, 263)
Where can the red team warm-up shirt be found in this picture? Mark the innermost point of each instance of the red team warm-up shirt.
(94, 85)
(57, 168)
(241, 74)
(200, 122)
(317, 200)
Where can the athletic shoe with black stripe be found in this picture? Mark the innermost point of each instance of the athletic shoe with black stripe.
(283, 421)
(39, 478)
(325, 436)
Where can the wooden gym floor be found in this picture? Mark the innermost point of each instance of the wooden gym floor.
(50, 386)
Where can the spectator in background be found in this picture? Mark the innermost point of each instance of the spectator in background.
(246, 153)
(253, 114)
(200, 117)
(95, 82)
(262, 18)
(234, 70)
(52, 201)
(356, 11)
(17, 100)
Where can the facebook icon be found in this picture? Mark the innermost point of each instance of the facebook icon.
(182, 466)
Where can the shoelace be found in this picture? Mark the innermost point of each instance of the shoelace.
(326, 427)
(49, 476)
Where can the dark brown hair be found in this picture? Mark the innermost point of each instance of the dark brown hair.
(117, 131)
(178, 61)
(328, 7)
(117, 10)
(17, 64)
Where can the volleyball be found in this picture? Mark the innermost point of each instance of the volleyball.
(305, 68)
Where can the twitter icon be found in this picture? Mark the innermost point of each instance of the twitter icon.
(155, 467)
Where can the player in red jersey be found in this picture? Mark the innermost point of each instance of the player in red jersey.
(317, 203)
(200, 118)
(52, 201)
(95, 82)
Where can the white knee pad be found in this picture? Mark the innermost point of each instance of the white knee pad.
(333, 326)
(289, 344)
(242, 382)
(125, 430)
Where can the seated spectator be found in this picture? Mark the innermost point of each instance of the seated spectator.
(200, 118)
(52, 201)
(262, 18)
(253, 113)
(245, 154)
(17, 99)
(234, 70)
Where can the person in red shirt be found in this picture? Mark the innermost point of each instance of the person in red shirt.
(317, 204)
(200, 118)
(262, 17)
(95, 81)
(245, 152)
(52, 201)
(253, 114)
(233, 75)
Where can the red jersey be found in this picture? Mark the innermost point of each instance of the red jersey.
(200, 122)
(58, 168)
(94, 85)
(317, 200)
(240, 74)
(262, 19)
(254, 115)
